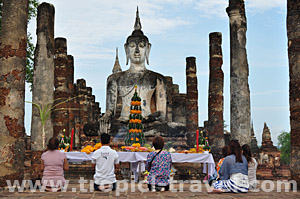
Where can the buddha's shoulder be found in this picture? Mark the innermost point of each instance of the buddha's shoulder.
(150, 72)
(115, 76)
(125, 74)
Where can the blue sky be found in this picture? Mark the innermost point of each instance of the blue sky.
(178, 29)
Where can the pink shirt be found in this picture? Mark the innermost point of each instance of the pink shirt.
(53, 174)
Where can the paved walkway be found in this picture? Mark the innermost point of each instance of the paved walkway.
(185, 191)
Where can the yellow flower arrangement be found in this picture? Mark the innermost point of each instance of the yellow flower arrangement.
(136, 145)
(98, 146)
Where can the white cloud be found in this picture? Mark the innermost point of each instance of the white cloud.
(264, 5)
(98, 22)
(95, 53)
(111, 20)
(213, 7)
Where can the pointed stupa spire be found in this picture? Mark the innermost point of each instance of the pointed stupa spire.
(117, 67)
(252, 129)
(137, 24)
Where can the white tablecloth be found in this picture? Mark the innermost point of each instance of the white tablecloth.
(142, 156)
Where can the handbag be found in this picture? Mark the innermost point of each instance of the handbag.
(150, 163)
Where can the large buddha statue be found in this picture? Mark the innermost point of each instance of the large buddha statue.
(151, 86)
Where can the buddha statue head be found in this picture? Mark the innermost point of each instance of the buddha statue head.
(137, 46)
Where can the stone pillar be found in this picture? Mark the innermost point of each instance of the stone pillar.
(239, 89)
(77, 118)
(43, 79)
(293, 33)
(43, 84)
(191, 100)
(70, 85)
(215, 94)
(89, 104)
(254, 147)
(12, 89)
(62, 92)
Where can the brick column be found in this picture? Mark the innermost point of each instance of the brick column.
(293, 33)
(191, 100)
(215, 93)
(240, 116)
(81, 99)
(61, 124)
(70, 85)
(12, 89)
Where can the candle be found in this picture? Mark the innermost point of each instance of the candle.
(71, 144)
(197, 140)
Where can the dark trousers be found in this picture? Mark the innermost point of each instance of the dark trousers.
(158, 188)
(114, 186)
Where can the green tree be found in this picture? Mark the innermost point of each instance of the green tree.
(32, 11)
(284, 144)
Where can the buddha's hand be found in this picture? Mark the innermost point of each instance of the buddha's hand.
(106, 117)
(104, 122)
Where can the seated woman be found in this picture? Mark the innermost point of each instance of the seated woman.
(225, 152)
(159, 165)
(252, 166)
(53, 164)
(215, 176)
(233, 172)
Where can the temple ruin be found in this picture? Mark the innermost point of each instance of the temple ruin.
(166, 111)
(268, 158)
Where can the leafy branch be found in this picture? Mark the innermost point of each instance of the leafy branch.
(45, 112)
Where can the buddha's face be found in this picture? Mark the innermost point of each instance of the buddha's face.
(137, 52)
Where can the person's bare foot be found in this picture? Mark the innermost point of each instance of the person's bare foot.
(215, 191)
(103, 187)
(49, 189)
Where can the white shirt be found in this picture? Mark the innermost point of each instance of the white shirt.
(252, 166)
(105, 159)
